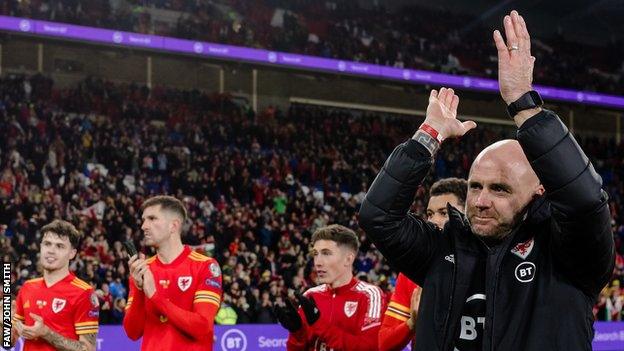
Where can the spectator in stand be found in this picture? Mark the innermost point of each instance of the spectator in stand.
(106, 304)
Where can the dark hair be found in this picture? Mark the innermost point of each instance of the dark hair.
(339, 234)
(455, 186)
(62, 229)
(167, 203)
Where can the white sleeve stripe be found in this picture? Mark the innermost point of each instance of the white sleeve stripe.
(377, 294)
(377, 309)
(399, 312)
(374, 299)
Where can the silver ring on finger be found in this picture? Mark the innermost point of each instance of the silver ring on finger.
(513, 47)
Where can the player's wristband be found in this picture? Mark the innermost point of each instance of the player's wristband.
(431, 131)
(426, 140)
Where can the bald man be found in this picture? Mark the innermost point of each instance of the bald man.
(523, 268)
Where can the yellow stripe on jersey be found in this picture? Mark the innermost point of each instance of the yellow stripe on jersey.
(34, 280)
(207, 292)
(198, 257)
(18, 317)
(80, 284)
(399, 307)
(86, 326)
(207, 296)
(212, 301)
(151, 259)
(87, 331)
(396, 316)
(78, 280)
(130, 300)
(204, 297)
(206, 300)
(400, 313)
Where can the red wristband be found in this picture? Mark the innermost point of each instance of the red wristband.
(429, 130)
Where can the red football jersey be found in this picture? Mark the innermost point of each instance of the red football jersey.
(394, 333)
(350, 318)
(69, 307)
(181, 313)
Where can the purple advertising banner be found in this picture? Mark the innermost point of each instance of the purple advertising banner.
(272, 337)
(609, 336)
(61, 30)
(16, 24)
(245, 337)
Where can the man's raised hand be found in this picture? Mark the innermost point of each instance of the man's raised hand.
(442, 114)
(515, 63)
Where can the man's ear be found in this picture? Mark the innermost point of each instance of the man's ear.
(539, 191)
(175, 224)
(73, 254)
(350, 257)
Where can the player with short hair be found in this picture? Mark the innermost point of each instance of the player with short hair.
(342, 313)
(57, 311)
(174, 295)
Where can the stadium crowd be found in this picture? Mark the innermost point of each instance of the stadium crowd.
(403, 37)
(256, 186)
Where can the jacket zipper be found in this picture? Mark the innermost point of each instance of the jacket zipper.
(499, 265)
(489, 296)
(319, 342)
(491, 324)
(331, 314)
(493, 304)
(450, 307)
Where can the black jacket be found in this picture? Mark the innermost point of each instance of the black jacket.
(540, 302)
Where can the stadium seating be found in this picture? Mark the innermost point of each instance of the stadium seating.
(403, 37)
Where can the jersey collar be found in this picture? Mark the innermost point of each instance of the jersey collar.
(343, 289)
(181, 257)
(68, 279)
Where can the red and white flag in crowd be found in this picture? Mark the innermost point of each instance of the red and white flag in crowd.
(95, 211)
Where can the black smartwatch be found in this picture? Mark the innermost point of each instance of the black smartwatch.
(527, 101)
